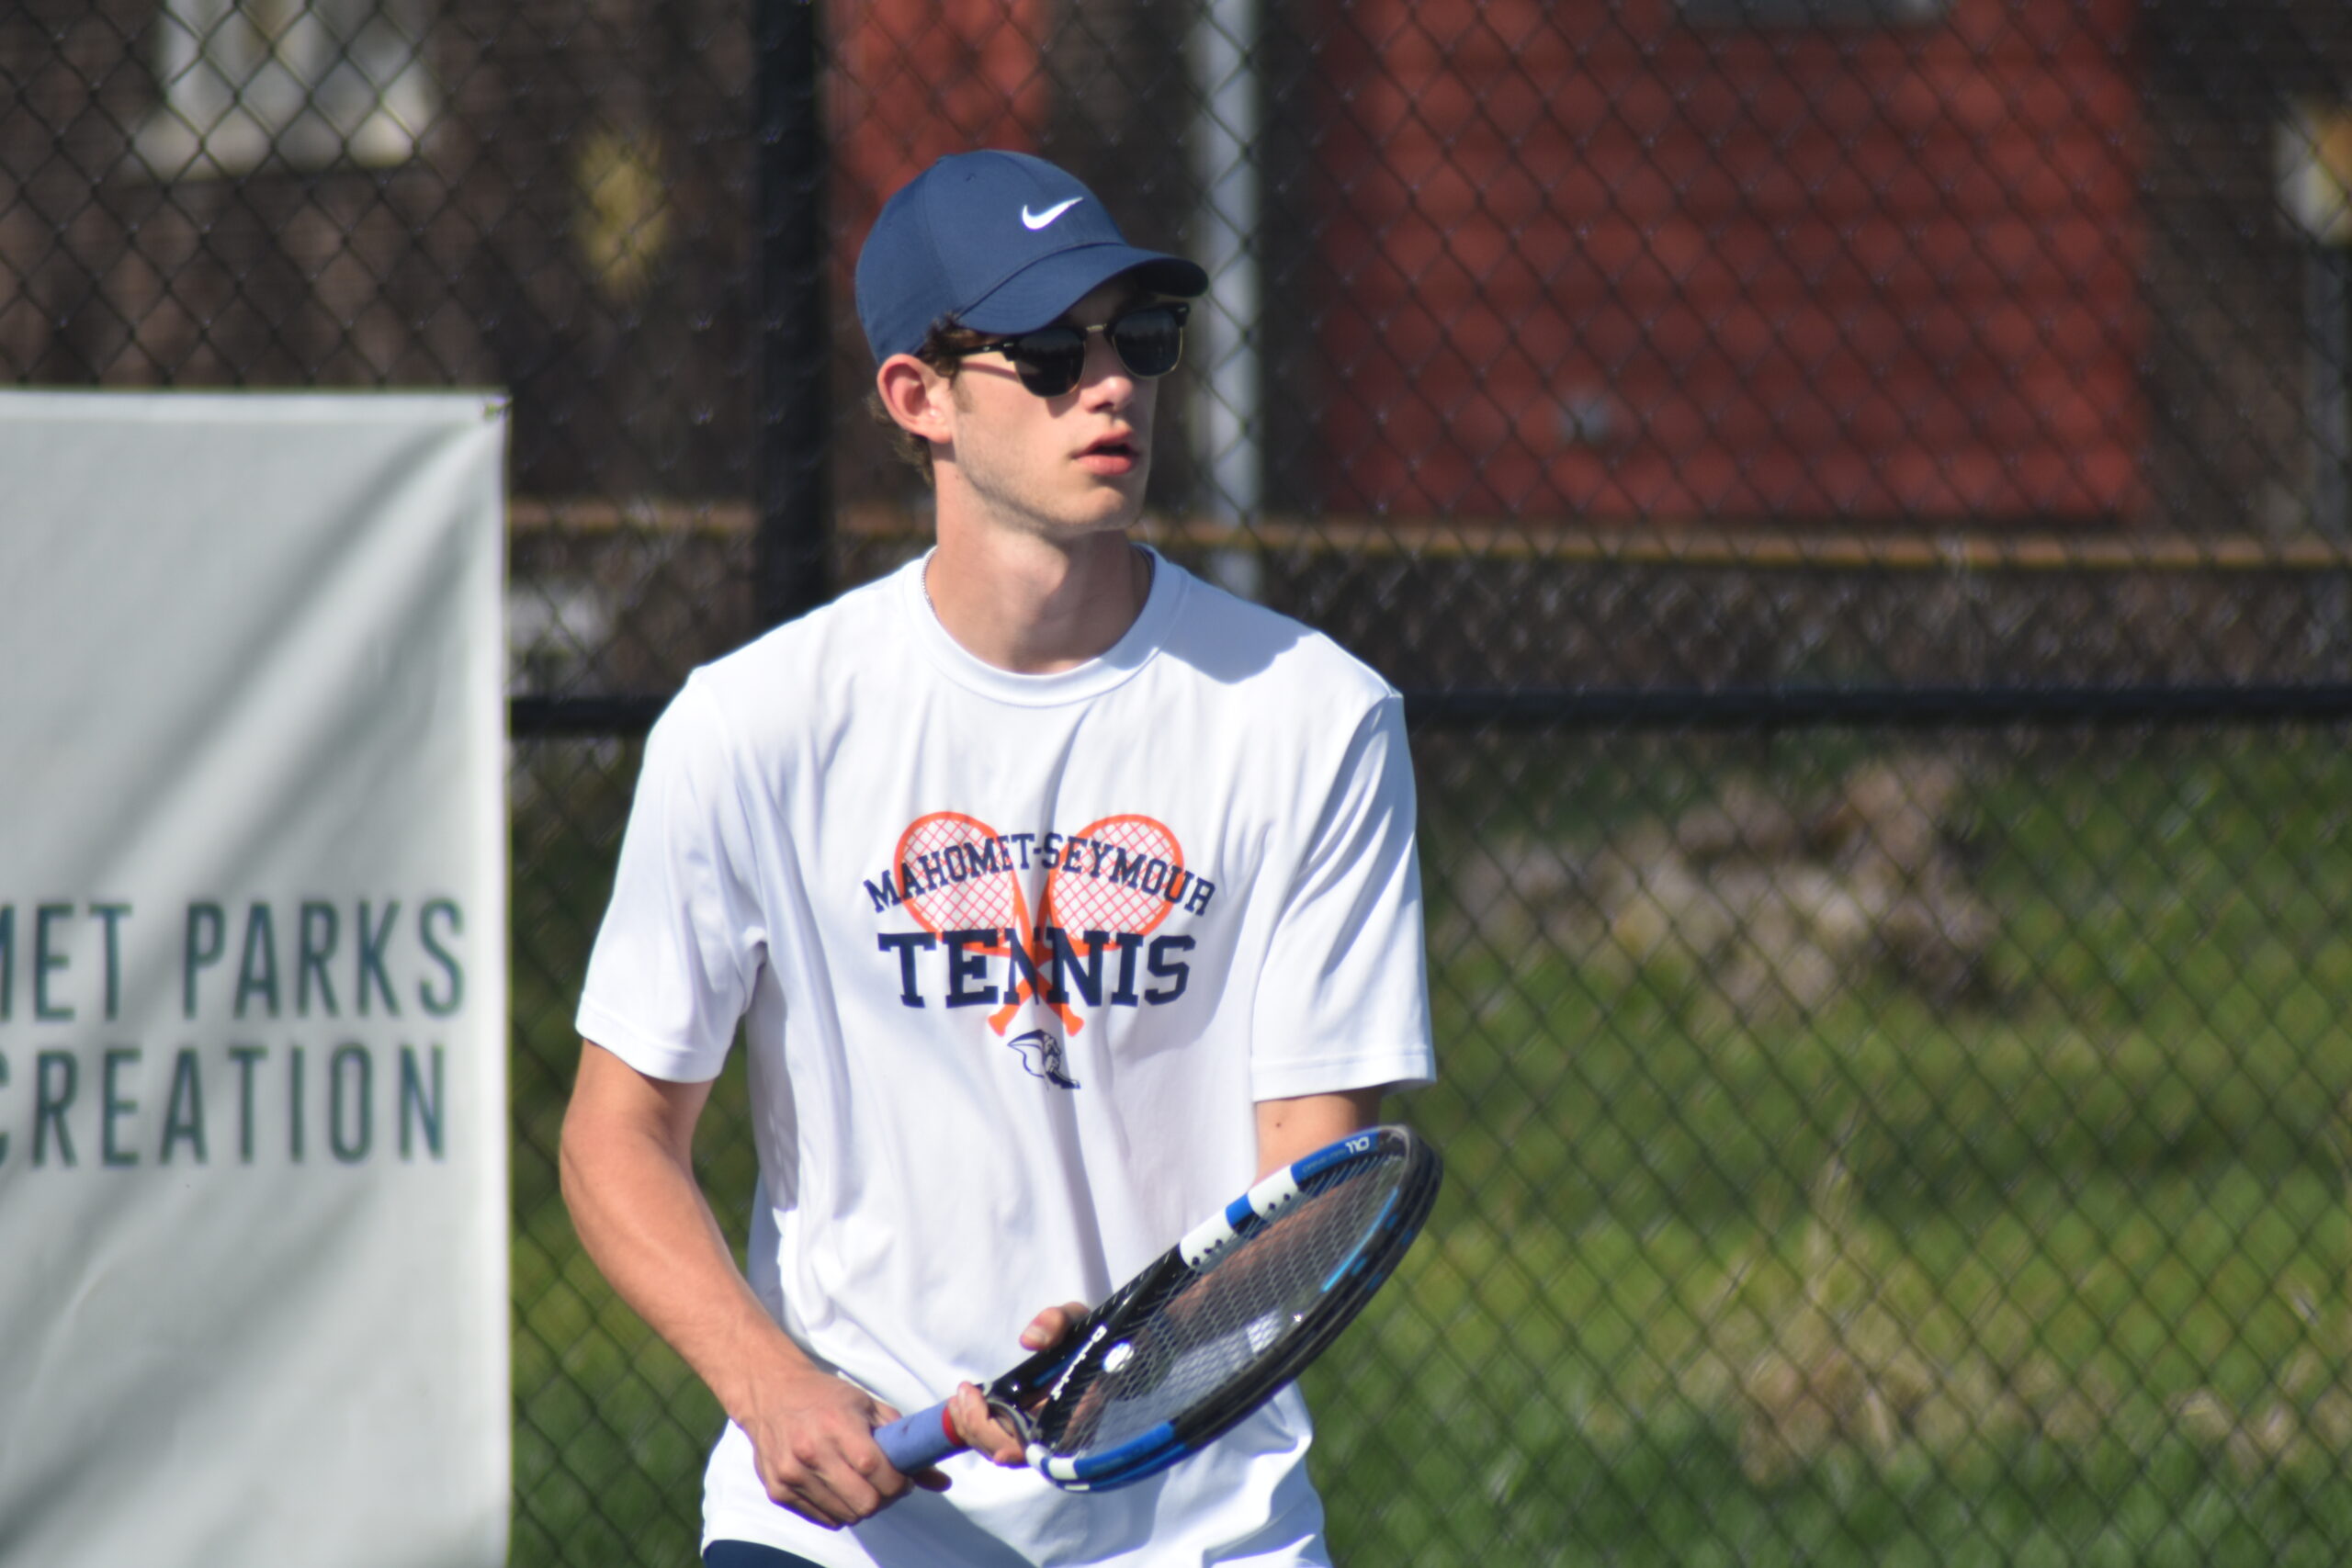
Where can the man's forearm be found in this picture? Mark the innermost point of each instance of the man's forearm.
(629, 1184)
(628, 1176)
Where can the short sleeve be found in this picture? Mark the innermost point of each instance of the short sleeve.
(1343, 1002)
(683, 939)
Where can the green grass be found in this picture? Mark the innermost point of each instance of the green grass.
(2033, 1359)
(2055, 1271)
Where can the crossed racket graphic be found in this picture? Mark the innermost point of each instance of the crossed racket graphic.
(1076, 899)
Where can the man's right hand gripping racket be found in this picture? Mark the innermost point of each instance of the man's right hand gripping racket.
(1213, 1328)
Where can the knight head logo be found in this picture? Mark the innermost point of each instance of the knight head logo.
(1041, 1055)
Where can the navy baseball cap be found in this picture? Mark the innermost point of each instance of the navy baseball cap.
(1001, 242)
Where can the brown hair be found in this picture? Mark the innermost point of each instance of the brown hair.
(943, 349)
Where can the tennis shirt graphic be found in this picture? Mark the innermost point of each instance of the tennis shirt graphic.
(1014, 958)
(1100, 896)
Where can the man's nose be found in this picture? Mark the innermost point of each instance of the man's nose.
(1105, 371)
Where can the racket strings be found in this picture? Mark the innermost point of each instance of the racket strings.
(1117, 877)
(959, 877)
(1129, 875)
(1215, 1328)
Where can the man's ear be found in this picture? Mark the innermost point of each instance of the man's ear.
(917, 397)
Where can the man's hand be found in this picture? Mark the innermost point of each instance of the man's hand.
(812, 1438)
(983, 1433)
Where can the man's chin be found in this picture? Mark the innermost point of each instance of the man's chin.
(1114, 503)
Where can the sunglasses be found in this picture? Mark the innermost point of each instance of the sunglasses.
(1148, 341)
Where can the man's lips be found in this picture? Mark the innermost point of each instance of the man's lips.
(1111, 455)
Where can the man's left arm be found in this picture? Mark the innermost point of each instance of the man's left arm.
(1288, 1129)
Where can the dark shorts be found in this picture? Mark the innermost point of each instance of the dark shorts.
(743, 1554)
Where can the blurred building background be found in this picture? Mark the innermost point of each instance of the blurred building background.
(1871, 261)
(1896, 266)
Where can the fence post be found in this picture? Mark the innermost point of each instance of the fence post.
(791, 552)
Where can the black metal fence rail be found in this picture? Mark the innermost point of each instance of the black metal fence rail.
(1923, 707)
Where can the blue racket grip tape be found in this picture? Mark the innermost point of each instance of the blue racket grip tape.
(917, 1441)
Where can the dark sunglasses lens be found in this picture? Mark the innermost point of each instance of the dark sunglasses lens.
(1050, 360)
(1150, 341)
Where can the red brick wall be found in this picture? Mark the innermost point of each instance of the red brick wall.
(1593, 260)
(915, 80)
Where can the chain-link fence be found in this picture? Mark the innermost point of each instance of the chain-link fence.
(1857, 492)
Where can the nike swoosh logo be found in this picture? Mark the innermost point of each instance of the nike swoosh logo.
(1039, 219)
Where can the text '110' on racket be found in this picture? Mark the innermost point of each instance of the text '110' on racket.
(1213, 1328)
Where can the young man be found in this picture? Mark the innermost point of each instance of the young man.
(1060, 894)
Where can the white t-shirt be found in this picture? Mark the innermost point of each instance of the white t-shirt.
(1206, 836)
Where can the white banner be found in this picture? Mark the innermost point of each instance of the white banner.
(253, 996)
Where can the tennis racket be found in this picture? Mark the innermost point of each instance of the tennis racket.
(1213, 1328)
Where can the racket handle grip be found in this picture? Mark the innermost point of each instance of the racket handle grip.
(918, 1441)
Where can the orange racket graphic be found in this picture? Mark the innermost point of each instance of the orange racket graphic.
(959, 876)
(1118, 877)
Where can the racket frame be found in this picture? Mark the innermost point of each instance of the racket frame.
(1018, 1397)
